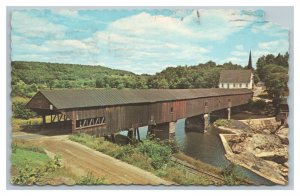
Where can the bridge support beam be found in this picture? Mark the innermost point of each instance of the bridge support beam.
(229, 113)
(74, 117)
(44, 119)
(206, 121)
(163, 131)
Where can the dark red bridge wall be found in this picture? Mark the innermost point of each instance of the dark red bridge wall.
(119, 118)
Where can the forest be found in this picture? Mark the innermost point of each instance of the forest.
(30, 77)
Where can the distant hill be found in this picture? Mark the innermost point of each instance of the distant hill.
(39, 75)
(29, 77)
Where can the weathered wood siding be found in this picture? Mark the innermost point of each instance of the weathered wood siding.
(124, 117)
(39, 102)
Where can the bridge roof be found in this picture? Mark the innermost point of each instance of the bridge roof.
(81, 98)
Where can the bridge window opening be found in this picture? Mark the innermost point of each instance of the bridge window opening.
(233, 85)
(90, 122)
(240, 85)
(227, 85)
(246, 85)
(171, 109)
(222, 85)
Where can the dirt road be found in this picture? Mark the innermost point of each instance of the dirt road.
(81, 159)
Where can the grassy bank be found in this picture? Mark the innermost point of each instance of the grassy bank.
(31, 165)
(151, 155)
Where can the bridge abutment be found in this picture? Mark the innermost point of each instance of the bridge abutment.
(163, 131)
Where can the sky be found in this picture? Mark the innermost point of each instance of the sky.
(144, 41)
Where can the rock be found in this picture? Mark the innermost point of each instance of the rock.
(282, 133)
(267, 169)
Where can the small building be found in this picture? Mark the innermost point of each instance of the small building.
(235, 79)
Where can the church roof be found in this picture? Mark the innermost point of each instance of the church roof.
(235, 76)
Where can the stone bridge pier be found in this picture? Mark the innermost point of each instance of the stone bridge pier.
(163, 131)
(197, 123)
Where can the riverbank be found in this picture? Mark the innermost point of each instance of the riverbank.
(156, 157)
(259, 145)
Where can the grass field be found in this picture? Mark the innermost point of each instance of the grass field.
(31, 165)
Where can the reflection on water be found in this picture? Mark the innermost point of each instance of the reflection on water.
(206, 147)
(203, 146)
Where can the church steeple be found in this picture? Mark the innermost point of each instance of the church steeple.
(250, 62)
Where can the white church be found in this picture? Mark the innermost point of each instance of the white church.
(237, 78)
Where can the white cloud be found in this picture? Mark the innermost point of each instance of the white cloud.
(143, 43)
(239, 53)
(66, 12)
(270, 29)
(29, 26)
(239, 47)
(277, 45)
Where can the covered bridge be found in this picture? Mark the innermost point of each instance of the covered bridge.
(107, 111)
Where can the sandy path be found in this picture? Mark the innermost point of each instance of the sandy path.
(81, 160)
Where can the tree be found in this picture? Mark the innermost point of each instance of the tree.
(100, 83)
(276, 83)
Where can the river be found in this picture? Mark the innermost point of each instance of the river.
(206, 147)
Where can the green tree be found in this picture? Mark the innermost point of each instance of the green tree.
(276, 83)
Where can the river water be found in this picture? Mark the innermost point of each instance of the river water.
(206, 147)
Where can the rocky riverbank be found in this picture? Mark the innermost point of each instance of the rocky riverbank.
(260, 145)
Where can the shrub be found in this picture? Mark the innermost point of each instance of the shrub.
(223, 122)
(28, 176)
(257, 105)
(89, 179)
(20, 111)
(158, 154)
(32, 164)
(231, 175)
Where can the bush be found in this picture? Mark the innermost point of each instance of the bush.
(89, 179)
(28, 176)
(20, 111)
(257, 104)
(231, 175)
(34, 167)
(158, 154)
(223, 122)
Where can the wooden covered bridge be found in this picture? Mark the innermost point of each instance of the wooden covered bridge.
(104, 112)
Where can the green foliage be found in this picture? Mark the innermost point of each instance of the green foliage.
(280, 60)
(231, 175)
(257, 104)
(274, 72)
(223, 122)
(32, 164)
(28, 176)
(89, 179)
(150, 155)
(20, 111)
(22, 155)
(158, 154)
(29, 77)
